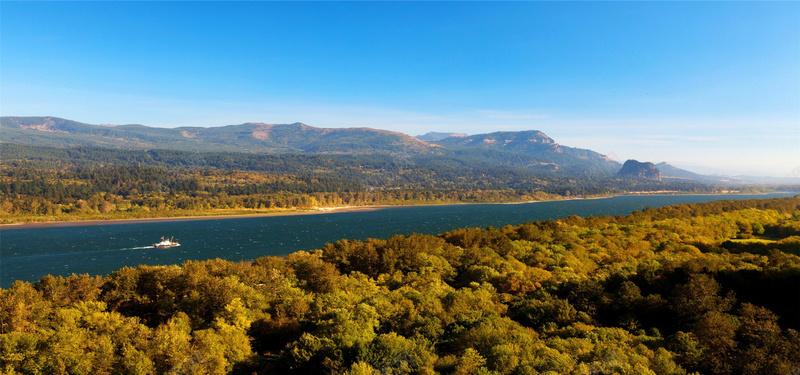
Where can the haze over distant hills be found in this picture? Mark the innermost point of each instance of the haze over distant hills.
(437, 136)
(249, 137)
(529, 149)
(532, 150)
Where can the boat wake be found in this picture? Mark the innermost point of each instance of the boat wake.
(84, 252)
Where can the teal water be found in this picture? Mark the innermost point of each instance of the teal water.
(30, 253)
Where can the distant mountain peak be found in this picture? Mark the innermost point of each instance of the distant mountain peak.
(527, 141)
(437, 136)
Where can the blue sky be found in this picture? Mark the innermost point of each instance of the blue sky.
(709, 86)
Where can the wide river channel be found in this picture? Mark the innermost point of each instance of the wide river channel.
(28, 253)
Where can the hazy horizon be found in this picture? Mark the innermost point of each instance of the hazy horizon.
(709, 87)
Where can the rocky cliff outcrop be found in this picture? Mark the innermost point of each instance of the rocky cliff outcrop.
(633, 169)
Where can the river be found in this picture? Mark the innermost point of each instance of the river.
(28, 253)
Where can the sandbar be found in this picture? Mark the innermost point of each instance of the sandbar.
(323, 210)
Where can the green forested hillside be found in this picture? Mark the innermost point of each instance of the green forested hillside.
(705, 288)
(540, 152)
(249, 137)
(531, 150)
(40, 183)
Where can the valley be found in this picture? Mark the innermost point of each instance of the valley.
(60, 170)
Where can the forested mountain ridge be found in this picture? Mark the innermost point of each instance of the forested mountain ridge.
(526, 149)
(249, 137)
(535, 143)
(531, 141)
(523, 160)
(692, 289)
(40, 183)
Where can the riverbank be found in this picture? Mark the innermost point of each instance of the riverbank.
(211, 216)
(64, 220)
(29, 253)
(239, 214)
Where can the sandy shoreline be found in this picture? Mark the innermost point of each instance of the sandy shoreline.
(324, 210)
(318, 211)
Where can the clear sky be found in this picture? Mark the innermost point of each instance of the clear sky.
(709, 86)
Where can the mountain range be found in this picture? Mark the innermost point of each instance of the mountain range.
(249, 137)
(532, 150)
(529, 149)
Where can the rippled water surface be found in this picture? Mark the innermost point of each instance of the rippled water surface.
(30, 253)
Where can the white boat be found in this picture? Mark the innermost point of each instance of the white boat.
(166, 243)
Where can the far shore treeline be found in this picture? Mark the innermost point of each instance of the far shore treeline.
(705, 288)
(39, 183)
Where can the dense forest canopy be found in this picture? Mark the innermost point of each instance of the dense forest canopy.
(701, 288)
(48, 183)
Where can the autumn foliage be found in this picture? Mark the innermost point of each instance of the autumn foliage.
(704, 288)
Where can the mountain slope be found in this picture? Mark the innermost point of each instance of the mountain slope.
(537, 150)
(250, 137)
(529, 142)
(671, 172)
(532, 150)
